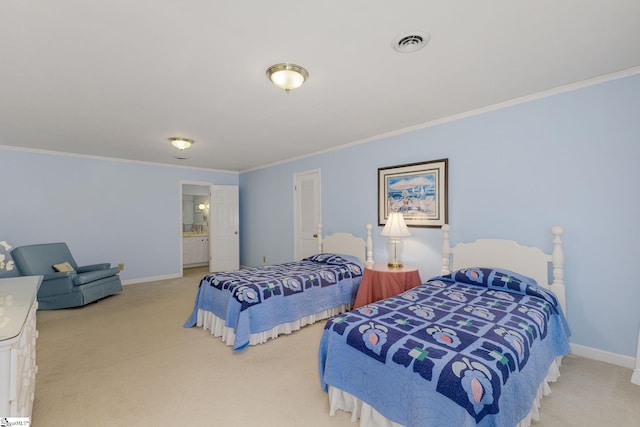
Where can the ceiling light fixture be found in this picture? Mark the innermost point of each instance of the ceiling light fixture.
(287, 76)
(181, 143)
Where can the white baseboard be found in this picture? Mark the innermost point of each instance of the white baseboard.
(603, 356)
(150, 279)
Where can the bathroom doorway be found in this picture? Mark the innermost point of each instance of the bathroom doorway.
(210, 226)
(196, 200)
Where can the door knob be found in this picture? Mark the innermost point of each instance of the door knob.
(315, 235)
(235, 232)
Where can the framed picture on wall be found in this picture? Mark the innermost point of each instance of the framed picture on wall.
(418, 190)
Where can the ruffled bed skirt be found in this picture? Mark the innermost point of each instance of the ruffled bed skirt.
(209, 321)
(369, 417)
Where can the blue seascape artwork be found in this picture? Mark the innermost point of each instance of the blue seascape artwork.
(413, 195)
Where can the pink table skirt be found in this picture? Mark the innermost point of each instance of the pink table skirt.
(379, 282)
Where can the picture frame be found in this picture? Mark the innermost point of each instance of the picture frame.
(418, 190)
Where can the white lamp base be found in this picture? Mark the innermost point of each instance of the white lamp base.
(394, 252)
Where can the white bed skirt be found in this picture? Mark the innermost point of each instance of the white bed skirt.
(369, 417)
(208, 320)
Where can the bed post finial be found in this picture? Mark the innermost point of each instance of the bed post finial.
(319, 238)
(557, 261)
(446, 250)
(369, 260)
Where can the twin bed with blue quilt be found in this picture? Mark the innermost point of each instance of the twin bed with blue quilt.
(252, 305)
(475, 346)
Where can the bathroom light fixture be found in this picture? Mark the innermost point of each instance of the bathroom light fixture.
(287, 76)
(395, 229)
(181, 143)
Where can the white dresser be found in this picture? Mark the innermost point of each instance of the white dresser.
(18, 335)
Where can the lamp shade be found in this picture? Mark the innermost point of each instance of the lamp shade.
(395, 226)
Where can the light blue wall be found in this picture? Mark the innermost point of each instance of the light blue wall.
(571, 159)
(106, 211)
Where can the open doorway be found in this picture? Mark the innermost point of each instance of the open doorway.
(195, 225)
(210, 226)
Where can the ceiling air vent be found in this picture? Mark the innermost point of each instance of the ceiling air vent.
(410, 42)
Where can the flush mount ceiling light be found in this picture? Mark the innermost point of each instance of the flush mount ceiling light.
(181, 143)
(287, 76)
(410, 42)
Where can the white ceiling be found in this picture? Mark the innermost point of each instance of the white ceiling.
(117, 78)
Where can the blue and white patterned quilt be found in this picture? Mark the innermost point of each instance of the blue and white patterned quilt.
(467, 349)
(258, 299)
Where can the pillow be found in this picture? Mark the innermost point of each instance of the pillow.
(321, 258)
(63, 266)
(495, 278)
(503, 280)
(333, 259)
(342, 258)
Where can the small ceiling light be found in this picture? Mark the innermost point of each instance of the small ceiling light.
(181, 143)
(287, 76)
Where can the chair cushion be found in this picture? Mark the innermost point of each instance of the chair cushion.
(90, 276)
(63, 266)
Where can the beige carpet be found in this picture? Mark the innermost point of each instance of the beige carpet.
(127, 361)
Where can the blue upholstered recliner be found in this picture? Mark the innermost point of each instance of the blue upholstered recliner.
(63, 289)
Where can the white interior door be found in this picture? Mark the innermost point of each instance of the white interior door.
(307, 213)
(224, 224)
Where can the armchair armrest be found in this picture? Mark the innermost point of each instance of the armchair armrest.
(57, 283)
(59, 275)
(93, 267)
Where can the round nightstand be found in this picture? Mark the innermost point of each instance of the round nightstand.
(379, 282)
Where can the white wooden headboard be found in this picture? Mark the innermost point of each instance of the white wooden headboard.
(347, 244)
(508, 254)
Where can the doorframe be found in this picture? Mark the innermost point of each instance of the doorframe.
(180, 198)
(296, 214)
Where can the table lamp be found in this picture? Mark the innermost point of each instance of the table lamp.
(395, 229)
